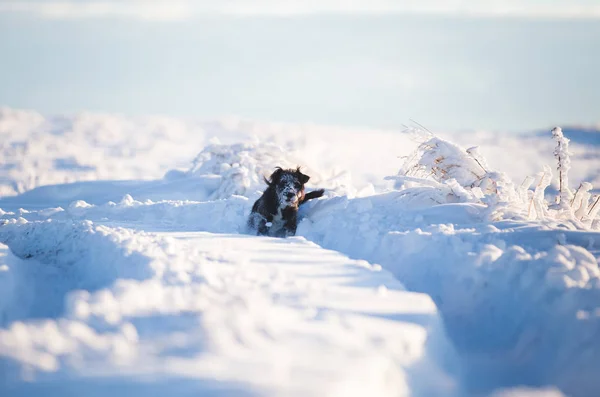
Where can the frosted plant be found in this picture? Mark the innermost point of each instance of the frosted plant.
(525, 195)
(568, 205)
(476, 155)
(580, 202)
(561, 152)
(462, 194)
(453, 166)
(442, 161)
(417, 132)
(594, 209)
(464, 176)
(538, 205)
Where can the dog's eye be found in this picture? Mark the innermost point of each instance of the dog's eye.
(297, 185)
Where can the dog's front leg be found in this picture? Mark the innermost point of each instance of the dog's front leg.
(262, 228)
(258, 223)
(291, 223)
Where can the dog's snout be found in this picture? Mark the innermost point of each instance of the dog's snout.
(290, 195)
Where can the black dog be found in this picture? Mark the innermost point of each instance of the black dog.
(275, 213)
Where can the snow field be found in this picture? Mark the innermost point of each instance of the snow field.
(515, 279)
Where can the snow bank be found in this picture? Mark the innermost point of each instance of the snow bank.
(62, 256)
(520, 291)
(219, 216)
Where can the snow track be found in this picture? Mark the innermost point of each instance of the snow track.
(267, 316)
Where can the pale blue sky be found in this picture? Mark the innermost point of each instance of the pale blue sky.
(373, 66)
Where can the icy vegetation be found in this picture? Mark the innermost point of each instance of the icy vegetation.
(433, 274)
(459, 175)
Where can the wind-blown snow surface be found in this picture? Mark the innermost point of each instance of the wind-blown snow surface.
(150, 285)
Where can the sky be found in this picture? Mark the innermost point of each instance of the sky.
(189, 9)
(487, 64)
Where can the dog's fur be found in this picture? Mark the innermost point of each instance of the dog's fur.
(275, 213)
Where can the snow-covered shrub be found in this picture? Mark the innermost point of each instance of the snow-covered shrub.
(538, 208)
(463, 175)
(239, 167)
(442, 161)
(581, 200)
(568, 205)
(593, 212)
(561, 152)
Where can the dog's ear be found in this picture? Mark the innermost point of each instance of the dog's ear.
(275, 176)
(303, 178)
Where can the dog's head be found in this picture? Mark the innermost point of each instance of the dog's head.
(288, 185)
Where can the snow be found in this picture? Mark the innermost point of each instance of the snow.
(133, 274)
(511, 289)
(113, 147)
(186, 305)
